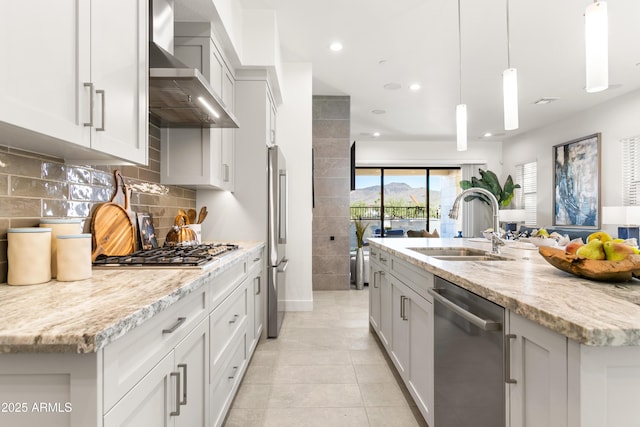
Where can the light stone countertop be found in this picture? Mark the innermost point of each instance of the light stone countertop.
(84, 316)
(589, 312)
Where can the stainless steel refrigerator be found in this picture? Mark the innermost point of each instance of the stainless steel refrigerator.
(276, 240)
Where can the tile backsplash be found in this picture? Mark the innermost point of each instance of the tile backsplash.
(33, 186)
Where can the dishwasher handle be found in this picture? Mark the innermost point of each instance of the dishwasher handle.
(485, 325)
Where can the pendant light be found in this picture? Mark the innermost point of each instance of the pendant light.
(461, 109)
(596, 37)
(510, 87)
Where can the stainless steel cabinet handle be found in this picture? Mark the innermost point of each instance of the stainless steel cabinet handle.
(183, 366)
(383, 259)
(175, 326)
(90, 86)
(404, 308)
(233, 373)
(101, 92)
(258, 278)
(485, 325)
(402, 298)
(507, 358)
(177, 411)
(375, 282)
(256, 259)
(234, 320)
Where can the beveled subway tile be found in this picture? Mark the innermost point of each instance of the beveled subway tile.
(54, 171)
(78, 175)
(19, 165)
(18, 207)
(102, 178)
(4, 225)
(315, 417)
(54, 208)
(32, 187)
(4, 185)
(80, 192)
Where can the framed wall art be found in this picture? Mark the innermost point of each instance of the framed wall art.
(576, 183)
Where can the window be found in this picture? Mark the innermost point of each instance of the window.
(527, 176)
(631, 171)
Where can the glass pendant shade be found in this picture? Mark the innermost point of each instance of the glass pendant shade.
(510, 94)
(461, 126)
(596, 31)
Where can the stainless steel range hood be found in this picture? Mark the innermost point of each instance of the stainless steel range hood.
(179, 96)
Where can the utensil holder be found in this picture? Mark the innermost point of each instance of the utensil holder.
(28, 255)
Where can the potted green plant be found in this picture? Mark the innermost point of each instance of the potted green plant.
(489, 181)
(361, 227)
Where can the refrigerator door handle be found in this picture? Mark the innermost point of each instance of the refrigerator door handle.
(282, 267)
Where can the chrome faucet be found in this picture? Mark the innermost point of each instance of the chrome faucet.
(496, 241)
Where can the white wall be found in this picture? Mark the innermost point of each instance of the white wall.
(293, 134)
(428, 153)
(615, 120)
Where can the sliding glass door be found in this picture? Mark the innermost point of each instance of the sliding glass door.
(395, 201)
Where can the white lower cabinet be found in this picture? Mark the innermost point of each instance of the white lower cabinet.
(380, 296)
(538, 356)
(174, 392)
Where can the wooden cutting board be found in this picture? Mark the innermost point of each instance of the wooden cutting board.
(113, 233)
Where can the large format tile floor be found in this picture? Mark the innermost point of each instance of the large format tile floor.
(325, 369)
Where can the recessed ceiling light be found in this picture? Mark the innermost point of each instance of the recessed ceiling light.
(392, 86)
(376, 134)
(414, 87)
(378, 111)
(336, 46)
(384, 61)
(546, 100)
(487, 135)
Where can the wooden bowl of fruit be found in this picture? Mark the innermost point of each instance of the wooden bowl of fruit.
(601, 258)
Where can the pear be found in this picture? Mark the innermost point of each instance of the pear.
(541, 233)
(573, 246)
(616, 251)
(592, 250)
(603, 236)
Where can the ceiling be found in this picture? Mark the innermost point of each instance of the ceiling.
(416, 41)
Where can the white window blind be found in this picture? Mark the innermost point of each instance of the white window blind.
(526, 196)
(631, 171)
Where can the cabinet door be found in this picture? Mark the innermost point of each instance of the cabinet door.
(45, 56)
(192, 361)
(374, 296)
(386, 309)
(119, 69)
(258, 307)
(539, 367)
(150, 402)
(420, 314)
(400, 327)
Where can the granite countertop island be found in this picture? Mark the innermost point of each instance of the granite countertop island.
(588, 312)
(85, 316)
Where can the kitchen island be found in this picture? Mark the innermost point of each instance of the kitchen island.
(572, 345)
(118, 347)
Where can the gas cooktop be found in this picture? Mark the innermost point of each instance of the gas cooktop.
(193, 256)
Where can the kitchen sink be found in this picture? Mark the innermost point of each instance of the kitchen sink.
(460, 254)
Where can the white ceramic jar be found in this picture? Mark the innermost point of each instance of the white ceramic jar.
(73, 257)
(60, 226)
(29, 255)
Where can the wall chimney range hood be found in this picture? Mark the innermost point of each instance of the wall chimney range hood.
(179, 95)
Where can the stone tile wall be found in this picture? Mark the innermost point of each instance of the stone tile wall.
(331, 153)
(34, 186)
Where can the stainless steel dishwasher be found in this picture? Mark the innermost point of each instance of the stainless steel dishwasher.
(468, 358)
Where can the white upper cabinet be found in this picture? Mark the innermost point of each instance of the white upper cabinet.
(75, 76)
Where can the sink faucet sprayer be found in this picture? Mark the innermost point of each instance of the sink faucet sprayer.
(496, 242)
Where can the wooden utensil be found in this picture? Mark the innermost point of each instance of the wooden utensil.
(113, 233)
(202, 215)
(183, 213)
(191, 214)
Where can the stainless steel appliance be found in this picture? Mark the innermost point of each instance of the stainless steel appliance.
(276, 239)
(201, 256)
(469, 358)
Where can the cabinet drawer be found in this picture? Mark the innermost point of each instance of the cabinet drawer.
(226, 380)
(226, 320)
(417, 279)
(379, 257)
(131, 356)
(255, 259)
(224, 283)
